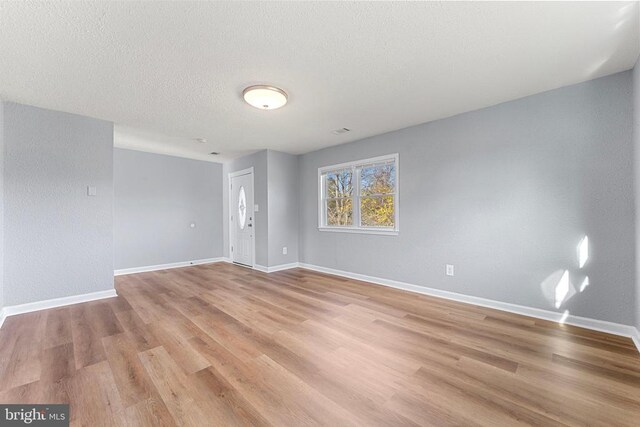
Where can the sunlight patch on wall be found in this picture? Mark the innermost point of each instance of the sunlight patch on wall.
(583, 251)
(557, 288)
(562, 289)
(564, 317)
(585, 284)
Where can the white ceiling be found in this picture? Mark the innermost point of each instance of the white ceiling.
(167, 73)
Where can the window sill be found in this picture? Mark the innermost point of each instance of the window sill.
(359, 230)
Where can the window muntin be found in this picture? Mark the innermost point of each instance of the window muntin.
(360, 196)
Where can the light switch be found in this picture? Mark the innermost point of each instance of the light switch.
(192, 225)
(256, 208)
(284, 250)
(92, 191)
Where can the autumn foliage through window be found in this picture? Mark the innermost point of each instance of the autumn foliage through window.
(360, 196)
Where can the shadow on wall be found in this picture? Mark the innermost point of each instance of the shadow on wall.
(558, 287)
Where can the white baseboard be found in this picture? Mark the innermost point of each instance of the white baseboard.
(12, 310)
(168, 266)
(276, 267)
(636, 337)
(584, 322)
(2, 316)
(261, 268)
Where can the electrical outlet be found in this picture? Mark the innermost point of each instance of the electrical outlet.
(449, 270)
(284, 250)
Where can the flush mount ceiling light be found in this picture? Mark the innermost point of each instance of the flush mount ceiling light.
(265, 97)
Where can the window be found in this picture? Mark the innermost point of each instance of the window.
(359, 197)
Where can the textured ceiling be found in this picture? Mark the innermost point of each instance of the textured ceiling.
(169, 72)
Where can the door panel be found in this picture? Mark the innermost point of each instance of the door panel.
(242, 219)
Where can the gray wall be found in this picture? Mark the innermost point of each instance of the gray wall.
(259, 163)
(57, 240)
(276, 194)
(157, 198)
(505, 194)
(636, 139)
(283, 207)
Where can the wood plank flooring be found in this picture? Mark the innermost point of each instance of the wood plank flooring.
(223, 345)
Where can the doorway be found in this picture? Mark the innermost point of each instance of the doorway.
(241, 217)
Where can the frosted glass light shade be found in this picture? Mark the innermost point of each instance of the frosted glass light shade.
(265, 97)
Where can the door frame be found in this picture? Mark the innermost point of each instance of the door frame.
(248, 171)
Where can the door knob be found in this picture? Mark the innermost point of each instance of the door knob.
(249, 225)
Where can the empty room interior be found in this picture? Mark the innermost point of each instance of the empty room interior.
(320, 213)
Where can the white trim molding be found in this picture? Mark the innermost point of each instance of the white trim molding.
(12, 310)
(584, 322)
(385, 232)
(168, 266)
(276, 267)
(559, 317)
(635, 336)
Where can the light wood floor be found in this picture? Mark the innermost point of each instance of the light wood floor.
(223, 345)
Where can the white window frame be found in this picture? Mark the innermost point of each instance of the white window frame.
(355, 167)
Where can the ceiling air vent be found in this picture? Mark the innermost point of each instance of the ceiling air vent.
(340, 131)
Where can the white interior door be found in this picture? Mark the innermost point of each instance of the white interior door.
(242, 219)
